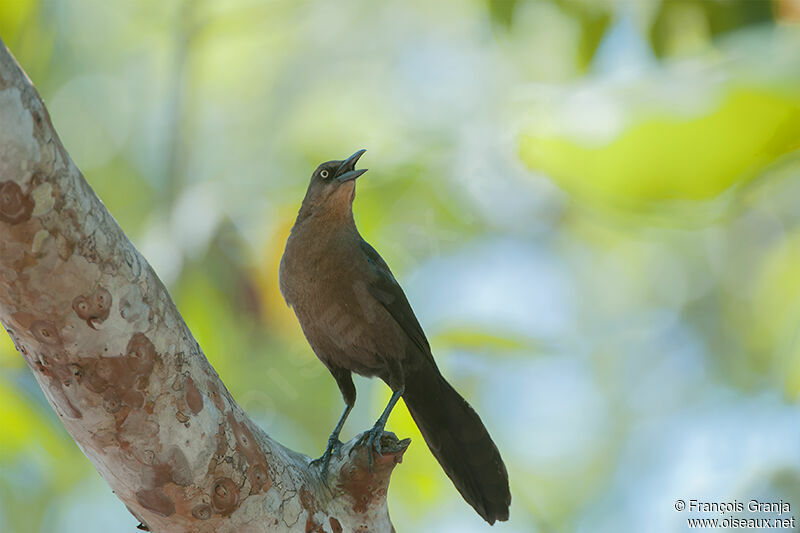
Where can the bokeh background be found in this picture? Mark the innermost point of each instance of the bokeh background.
(593, 206)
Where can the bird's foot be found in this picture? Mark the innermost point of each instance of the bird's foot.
(334, 445)
(372, 440)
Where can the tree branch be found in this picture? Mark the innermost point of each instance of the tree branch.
(123, 372)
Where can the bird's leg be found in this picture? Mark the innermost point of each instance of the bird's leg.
(333, 443)
(373, 436)
(344, 380)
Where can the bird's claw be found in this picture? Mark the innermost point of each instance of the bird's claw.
(372, 440)
(334, 445)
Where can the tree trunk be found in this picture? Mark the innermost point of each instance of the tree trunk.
(123, 372)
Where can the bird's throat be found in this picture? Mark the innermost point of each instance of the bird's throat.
(336, 208)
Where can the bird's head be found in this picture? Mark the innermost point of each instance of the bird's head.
(333, 184)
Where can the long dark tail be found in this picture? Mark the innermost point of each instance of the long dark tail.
(460, 442)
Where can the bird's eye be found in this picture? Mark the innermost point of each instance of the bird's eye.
(324, 174)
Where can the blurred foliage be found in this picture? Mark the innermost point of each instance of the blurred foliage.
(667, 157)
(713, 18)
(592, 206)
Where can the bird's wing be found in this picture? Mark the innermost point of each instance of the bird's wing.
(384, 288)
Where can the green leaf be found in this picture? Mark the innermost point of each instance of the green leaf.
(667, 157)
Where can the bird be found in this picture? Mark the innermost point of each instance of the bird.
(356, 318)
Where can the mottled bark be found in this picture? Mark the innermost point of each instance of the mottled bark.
(124, 374)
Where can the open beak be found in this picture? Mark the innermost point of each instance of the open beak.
(347, 171)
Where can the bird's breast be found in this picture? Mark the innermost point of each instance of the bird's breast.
(314, 266)
(326, 279)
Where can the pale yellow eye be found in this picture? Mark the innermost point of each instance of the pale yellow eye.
(324, 174)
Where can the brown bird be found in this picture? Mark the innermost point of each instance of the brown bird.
(357, 319)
